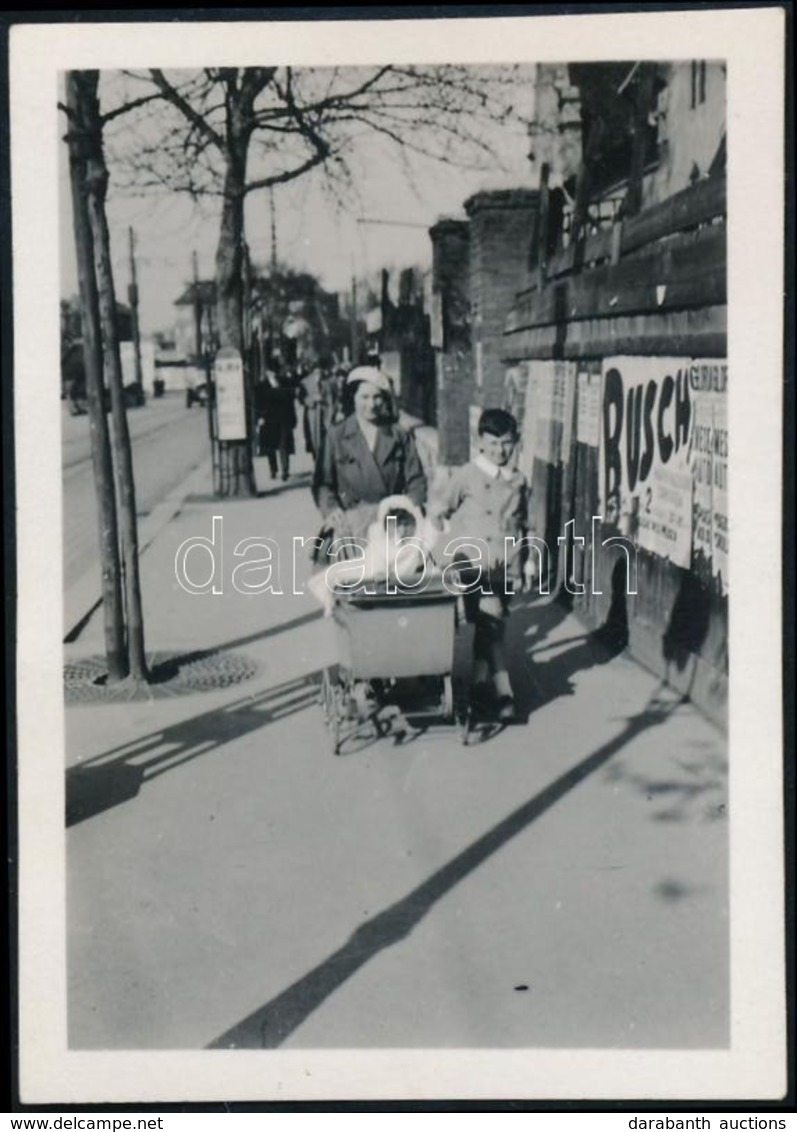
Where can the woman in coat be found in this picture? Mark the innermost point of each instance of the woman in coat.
(366, 458)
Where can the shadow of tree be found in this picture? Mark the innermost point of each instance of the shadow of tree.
(673, 891)
(117, 775)
(273, 1023)
(695, 789)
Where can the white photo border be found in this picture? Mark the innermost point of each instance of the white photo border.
(752, 41)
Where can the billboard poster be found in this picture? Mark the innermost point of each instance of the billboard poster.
(529, 428)
(708, 380)
(564, 391)
(645, 481)
(719, 507)
(547, 419)
(588, 403)
(228, 373)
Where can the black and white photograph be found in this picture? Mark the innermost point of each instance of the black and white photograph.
(398, 437)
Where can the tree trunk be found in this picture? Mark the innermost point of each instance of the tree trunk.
(97, 185)
(235, 457)
(78, 85)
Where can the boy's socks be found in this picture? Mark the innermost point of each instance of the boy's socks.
(503, 689)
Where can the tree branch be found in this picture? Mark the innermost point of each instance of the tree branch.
(171, 94)
(128, 106)
(315, 159)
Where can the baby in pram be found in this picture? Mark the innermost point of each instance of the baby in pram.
(397, 546)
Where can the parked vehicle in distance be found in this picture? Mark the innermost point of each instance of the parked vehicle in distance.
(134, 395)
(197, 394)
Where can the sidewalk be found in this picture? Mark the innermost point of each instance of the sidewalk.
(231, 882)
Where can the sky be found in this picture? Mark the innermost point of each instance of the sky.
(312, 234)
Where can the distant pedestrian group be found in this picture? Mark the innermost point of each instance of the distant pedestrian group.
(317, 391)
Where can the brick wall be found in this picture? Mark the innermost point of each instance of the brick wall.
(501, 225)
(451, 336)
(454, 394)
(478, 266)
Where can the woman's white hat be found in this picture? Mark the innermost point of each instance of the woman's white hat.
(372, 375)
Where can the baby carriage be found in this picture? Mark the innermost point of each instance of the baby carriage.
(395, 647)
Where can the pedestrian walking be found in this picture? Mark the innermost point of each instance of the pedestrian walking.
(311, 397)
(366, 458)
(276, 419)
(487, 500)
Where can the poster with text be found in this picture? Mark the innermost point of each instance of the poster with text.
(547, 420)
(708, 382)
(228, 376)
(588, 403)
(645, 484)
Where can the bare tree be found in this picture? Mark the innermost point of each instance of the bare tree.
(229, 132)
(79, 91)
(89, 187)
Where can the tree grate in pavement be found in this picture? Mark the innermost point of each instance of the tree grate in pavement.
(171, 674)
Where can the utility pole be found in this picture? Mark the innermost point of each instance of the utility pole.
(132, 296)
(273, 209)
(197, 307)
(272, 295)
(353, 323)
(202, 356)
(246, 287)
(246, 352)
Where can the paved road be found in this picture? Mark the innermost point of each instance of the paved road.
(168, 442)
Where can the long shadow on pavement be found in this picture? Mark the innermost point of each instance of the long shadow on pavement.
(272, 1024)
(117, 775)
(261, 635)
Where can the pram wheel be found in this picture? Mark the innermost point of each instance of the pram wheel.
(363, 700)
(329, 703)
(465, 722)
(447, 701)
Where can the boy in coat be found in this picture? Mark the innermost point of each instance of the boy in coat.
(487, 500)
